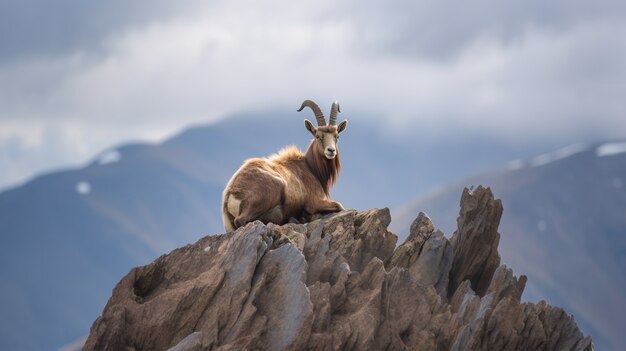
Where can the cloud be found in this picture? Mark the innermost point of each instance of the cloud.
(28, 149)
(443, 29)
(36, 28)
(518, 72)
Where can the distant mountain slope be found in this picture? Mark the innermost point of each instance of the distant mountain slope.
(564, 225)
(67, 237)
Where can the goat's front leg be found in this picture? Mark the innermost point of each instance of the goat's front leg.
(333, 206)
(325, 206)
(320, 209)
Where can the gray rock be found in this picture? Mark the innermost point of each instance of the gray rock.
(335, 283)
(407, 253)
(427, 255)
(193, 342)
(475, 242)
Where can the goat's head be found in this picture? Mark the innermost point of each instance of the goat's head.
(326, 136)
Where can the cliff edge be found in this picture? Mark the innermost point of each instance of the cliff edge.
(338, 282)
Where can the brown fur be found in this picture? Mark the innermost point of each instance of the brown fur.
(326, 171)
(288, 184)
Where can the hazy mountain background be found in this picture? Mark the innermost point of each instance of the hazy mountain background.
(67, 237)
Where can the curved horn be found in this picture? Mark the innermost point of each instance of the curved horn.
(316, 110)
(332, 120)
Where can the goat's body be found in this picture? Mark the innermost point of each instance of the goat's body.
(289, 183)
(273, 190)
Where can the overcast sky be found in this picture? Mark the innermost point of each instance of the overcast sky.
(76, 76)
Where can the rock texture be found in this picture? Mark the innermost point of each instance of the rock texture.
(336, 283)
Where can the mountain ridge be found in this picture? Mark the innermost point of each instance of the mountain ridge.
(336, 283)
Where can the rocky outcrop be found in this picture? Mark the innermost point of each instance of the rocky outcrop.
(336, 283)
(475, 242)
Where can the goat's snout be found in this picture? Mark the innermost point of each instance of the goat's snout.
(331, 152)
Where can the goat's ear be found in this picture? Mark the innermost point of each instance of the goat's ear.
(309, 126)
(342, 126)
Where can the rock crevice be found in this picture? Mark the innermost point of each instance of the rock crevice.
(336, 283)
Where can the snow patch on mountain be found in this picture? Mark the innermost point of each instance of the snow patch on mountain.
(610, 149)
(560, 154)
(83, 188)
(110, 156)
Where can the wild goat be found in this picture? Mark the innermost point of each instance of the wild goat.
(288, 184)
